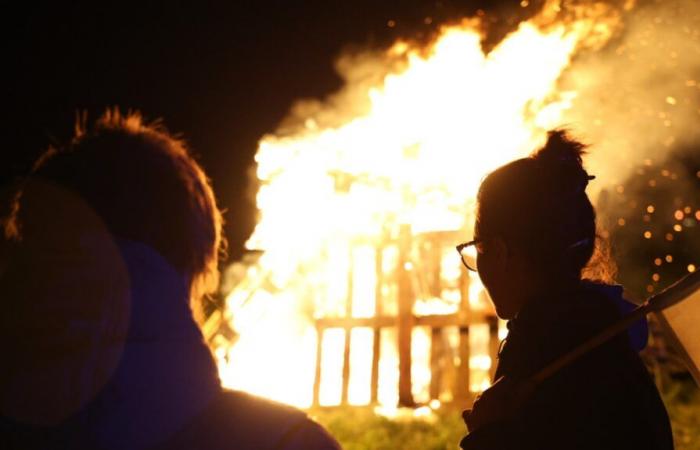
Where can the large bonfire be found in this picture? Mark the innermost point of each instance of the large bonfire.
(404, 145)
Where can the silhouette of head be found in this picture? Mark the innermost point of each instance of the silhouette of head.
(143, 184)
(536, 223)
(66, 287)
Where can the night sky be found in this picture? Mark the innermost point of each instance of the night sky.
(222, 74)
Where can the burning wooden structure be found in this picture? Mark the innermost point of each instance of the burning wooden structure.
(396, 292)
(406, 298)
(358, 296)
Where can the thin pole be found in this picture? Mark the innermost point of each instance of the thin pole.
(673, 294)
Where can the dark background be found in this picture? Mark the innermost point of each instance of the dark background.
(220, 74)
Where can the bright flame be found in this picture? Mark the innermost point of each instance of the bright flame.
(408, 150)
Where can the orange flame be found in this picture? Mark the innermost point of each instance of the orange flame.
(411, 149)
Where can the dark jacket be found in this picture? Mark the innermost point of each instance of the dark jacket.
(237, 420)
(141, 374)
(605, 400)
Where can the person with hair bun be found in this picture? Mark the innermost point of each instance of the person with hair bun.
(535, 235)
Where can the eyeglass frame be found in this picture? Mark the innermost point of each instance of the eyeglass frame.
(476, 242)
(464, 245)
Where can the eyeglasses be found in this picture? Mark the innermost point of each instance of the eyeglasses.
(468, 259)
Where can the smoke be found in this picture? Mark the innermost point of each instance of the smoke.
(638, 105)
(638, 98)
(632, 90)
(416, 127)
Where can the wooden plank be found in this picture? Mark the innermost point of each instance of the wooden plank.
(462, 392)
(405, 322)
(346, 368)
(405, 318)
(436, 355)
(464, 291)
(436, 269)
(435, 320)
(374, 380)
(446, 320)
(376, 334)
(317, 375)
(462, 389)
(346, 350)
(353, 322)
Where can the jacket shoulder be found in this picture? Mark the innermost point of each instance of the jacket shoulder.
(237, 420)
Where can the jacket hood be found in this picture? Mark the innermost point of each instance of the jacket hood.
(166, 374)
(639, 331)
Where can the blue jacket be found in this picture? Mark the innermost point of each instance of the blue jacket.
(123, 365)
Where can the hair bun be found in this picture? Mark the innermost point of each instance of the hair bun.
(561, 159)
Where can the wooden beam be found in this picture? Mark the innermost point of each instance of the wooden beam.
(436, 355)
(447, 320)
(376, 334)
(354, 322)
(374, 380)
(346, 368)
(434, 320)
(435, 259)
(405, 318)
(317, 375)
(462, 392)
(348, 333)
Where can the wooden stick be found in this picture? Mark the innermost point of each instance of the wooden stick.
(462, 390)
(405, 320)
(673, 294)
(376, 332)
(348, 331)
(436, 355)
(317, 373)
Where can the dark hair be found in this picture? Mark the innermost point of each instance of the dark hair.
(539, 206)
(144, 185)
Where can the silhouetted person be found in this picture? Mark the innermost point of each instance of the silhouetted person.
(535, 232)
(109, 241)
